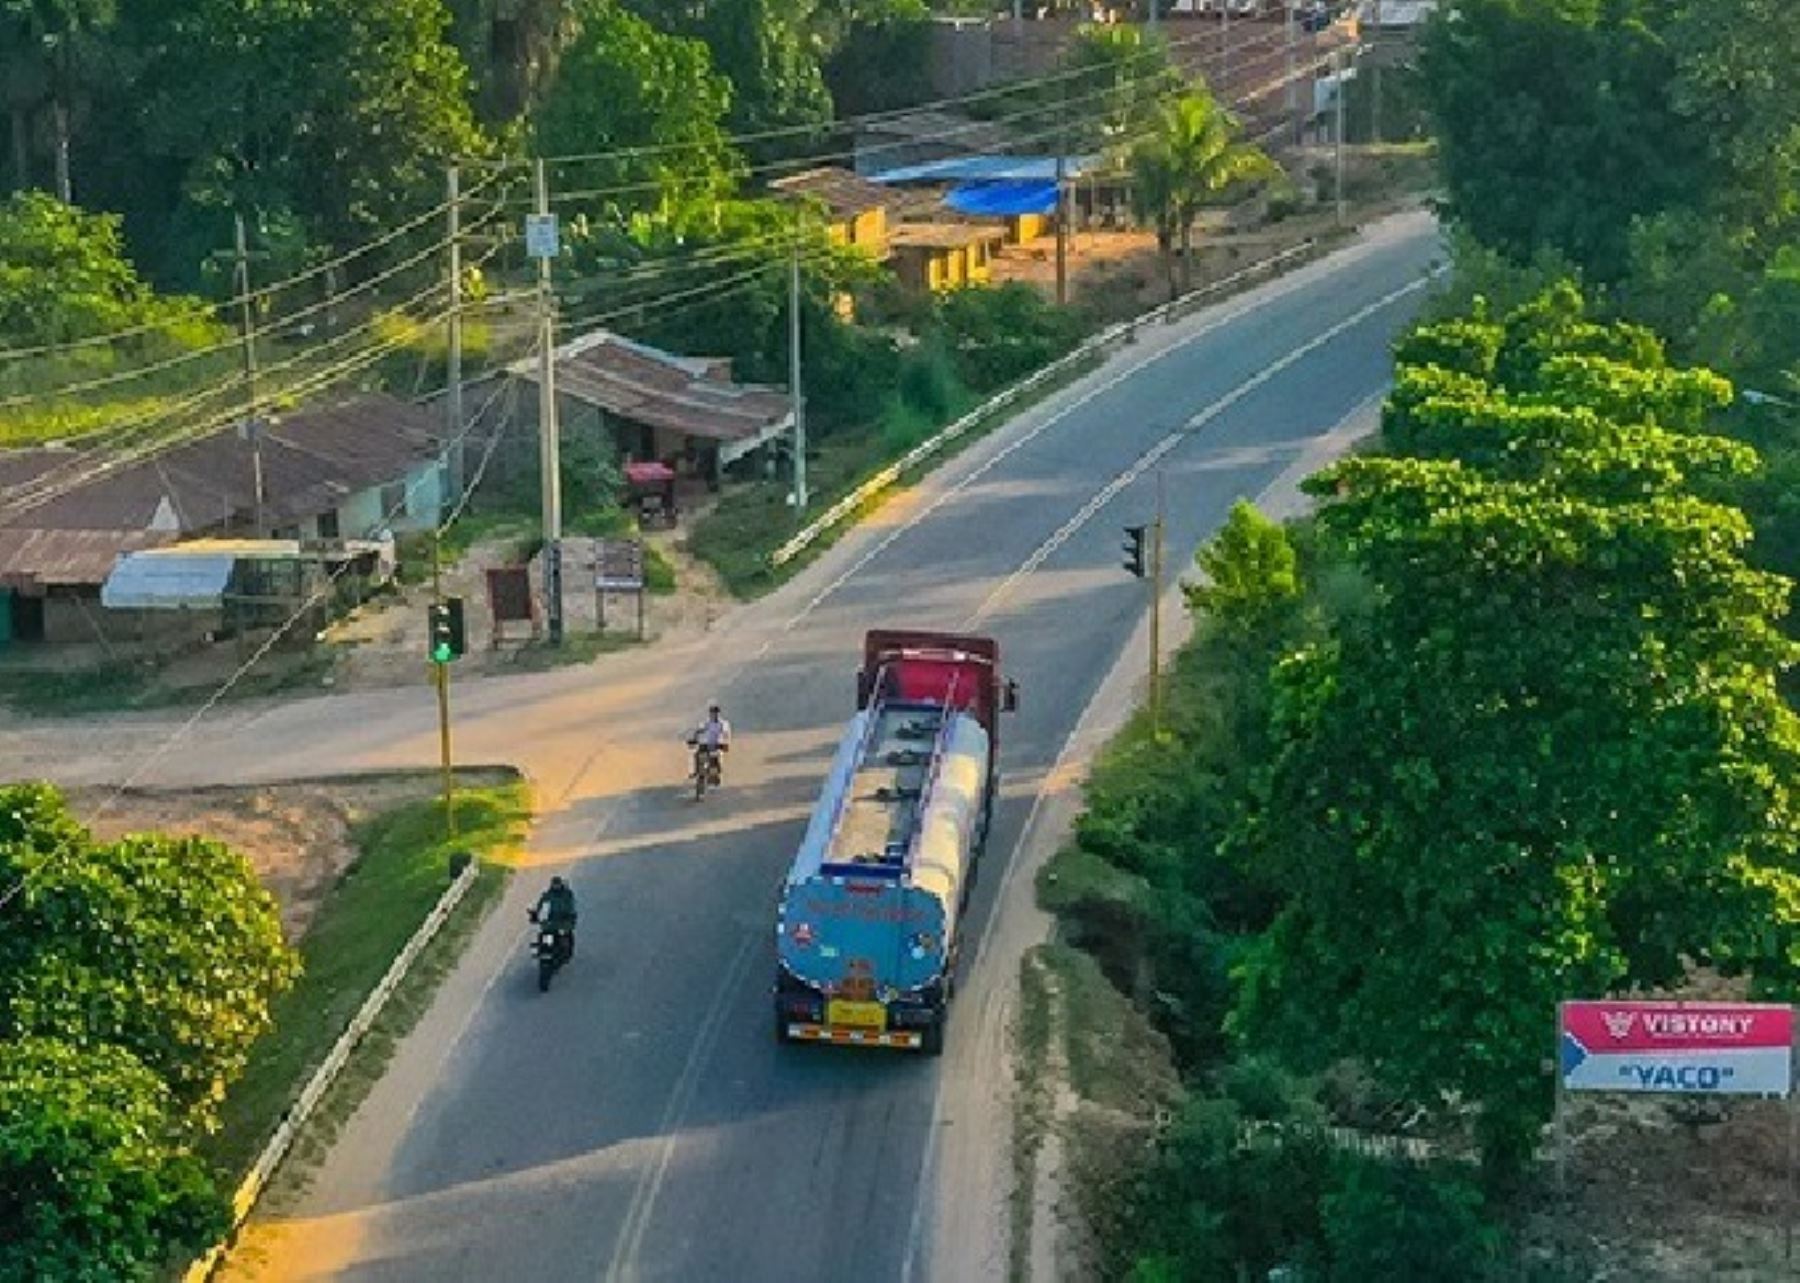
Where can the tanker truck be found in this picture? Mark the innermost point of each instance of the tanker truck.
(869, 925)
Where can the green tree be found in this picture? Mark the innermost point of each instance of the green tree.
(63, 35)
(64, 276)
(767, 49)
(1556, 127)
(166, 947)
(1252, 572)
(1121, 75)
(1191, 160)
(1549, 758)
(95, 1180)
(343, 113)
(623, 84)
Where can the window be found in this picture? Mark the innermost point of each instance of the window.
(393, 502)
(328, 525)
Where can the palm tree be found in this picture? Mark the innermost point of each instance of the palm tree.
(1190, 159)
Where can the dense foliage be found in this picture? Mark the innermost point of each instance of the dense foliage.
(134, 977)
(96, 1180)
(1499, 726)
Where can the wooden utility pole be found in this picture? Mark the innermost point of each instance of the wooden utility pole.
(549, 451)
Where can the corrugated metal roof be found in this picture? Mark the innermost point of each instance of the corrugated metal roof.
(991, 169)
(168, 579)
(843, 192)
(38, 559)
(662, 390)
(313, 458)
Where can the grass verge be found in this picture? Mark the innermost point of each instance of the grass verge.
(126, 687)
(364, 923)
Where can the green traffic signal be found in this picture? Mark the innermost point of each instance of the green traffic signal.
(445, 625)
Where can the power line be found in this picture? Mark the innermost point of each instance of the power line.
(8, 354)
(243, 670)
(874, 117)
(269, 328)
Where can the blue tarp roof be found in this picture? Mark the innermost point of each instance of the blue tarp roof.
(988, 169)
(1003, 200)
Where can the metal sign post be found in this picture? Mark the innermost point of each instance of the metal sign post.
(618, 568)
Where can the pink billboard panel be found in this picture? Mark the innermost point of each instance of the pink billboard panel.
(1710, 1048)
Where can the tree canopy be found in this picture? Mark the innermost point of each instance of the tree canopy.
(1567, 676)
(64, 276)
(621, 83)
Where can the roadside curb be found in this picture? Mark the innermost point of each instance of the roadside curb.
(1097, 345)
(243, 1202)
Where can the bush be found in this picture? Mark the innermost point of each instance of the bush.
(1396, 1220)
(95, 1182)
(929, 383)
(1000, 334)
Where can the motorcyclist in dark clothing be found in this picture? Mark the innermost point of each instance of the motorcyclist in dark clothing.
(556, 911)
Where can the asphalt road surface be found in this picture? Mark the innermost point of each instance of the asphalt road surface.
(639, 1121)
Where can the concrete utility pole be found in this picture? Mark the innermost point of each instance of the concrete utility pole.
(1343, 89)
(796, 393)
(1225, 50)
(1062, 197)
(252, 425)
(1293, 85)
(1375, 72)
(453, 374)
(1152, 22)
(550, 463)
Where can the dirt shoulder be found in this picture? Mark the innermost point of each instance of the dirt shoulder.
(299, 837)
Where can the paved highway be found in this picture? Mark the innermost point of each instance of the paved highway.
(639, 1122)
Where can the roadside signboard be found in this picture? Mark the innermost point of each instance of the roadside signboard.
(1681, 1048)
(541, 240)
(619, 565)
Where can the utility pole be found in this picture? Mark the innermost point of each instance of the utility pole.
(1152, 23)
(1062, 196)
(1293, 85)
(453, 374)
(550, 464)
(1156, 574)
(796, 393)
(1225, 51)
(252, 425)
(1375, 72)
(1342, 62)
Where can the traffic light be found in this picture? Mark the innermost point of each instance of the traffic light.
(1134, 550)
(448, 640)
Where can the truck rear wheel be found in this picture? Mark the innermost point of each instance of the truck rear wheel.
(931, 1042)
(781, 1033)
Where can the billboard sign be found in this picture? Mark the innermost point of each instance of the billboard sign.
(1682, 1048)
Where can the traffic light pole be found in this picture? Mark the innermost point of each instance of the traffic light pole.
(441, 676)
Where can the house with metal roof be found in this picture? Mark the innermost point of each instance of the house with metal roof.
(359, 467)
(855, 209)
(652, 405)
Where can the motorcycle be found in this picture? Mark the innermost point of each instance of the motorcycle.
(552, 948)
(708, 770)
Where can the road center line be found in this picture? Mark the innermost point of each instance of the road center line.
(1154, 455)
